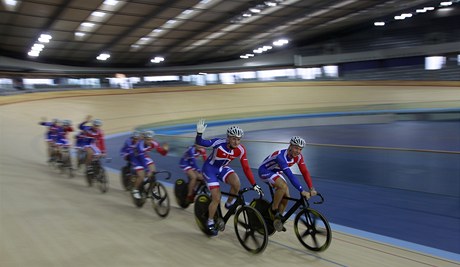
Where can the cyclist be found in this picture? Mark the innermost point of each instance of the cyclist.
(280, 162)
(216, 168)
(51, 136)
(128, 146)
(188, 164)
(94, 141)
(141, 160)
(62, 139)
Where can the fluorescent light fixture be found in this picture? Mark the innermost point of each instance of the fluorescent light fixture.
(103, 56)
(171, 21)
(399, 17)
(38, 46)
(445, 3)
(46, 36)
(429, 8)
(157, 59)
(188, 11)
(110, 2)
(379, 23)
(271, 4)
(87, 24)
(244, 56)
(80, 34)
(407, 15)
(247, 15)
(420, 10)
(254, 10)
(34, 53)
(11, 2)
(157, 30)
(280, 42)
(205, 1)
(43, 40)
(98, 14)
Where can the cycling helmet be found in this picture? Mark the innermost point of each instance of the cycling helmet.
(235, 131)
(55, 121)
(97, 122)
(136, 134)
(67, 122)
(297, 141)
(148, 134)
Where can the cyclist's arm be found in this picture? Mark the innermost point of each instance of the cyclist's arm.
(82, 126)
(286, 170)
(246, 169)
(305, 173)
(203, 142)
(101, 142)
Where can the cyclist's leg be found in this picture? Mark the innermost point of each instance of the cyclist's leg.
(281, 190)
(192, 177)
(233, 180)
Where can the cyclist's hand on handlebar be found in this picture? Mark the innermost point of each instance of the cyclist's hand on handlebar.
(258, 189)
(313, 192)
(200, 126)
(306, 194)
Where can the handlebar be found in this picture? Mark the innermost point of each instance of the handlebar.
(322, 199)
(168, 174)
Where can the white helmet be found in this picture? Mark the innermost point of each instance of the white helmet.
(148, 134)
(297, 141)
(67, 122)
(97, 122)
(136, 134)
(235, 131)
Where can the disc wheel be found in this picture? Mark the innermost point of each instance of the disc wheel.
(262, 206)
(103, 181)
(160, 199)
(126, 178)
(251, 229)
(201, 212)
(313, 230)
(180, 192)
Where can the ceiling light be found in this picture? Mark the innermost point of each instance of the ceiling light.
(11, 2)
(80, 34)
(188, 11)
(87, 24)
(445, 3)
(247, 15)
(280, 42)
(46, 36)
(43, 40)
(268, 3)
(171, 21)
(157, 59)
(103, 56)
(429, 8)
(420, 10)
(157, 30)
(34, 53)
(379, 23)
(98, 14)
(254, 10)
(399, 17)
(110, 2)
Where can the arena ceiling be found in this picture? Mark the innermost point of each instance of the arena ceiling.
(182, 32)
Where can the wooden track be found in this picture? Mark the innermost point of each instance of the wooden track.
(47, 219)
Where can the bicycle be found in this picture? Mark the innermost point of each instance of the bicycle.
(311, 227)
(250, 227)
(98, 174)
(156, 191)
(81, 157)
(66, 161)
(181, 190)
(127, 177)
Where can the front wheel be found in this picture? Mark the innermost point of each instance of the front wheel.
(160, 199)
(126, 180)
(251, 229)
(313, 230)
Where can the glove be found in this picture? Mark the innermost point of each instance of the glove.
(200, 126)
(258, 189)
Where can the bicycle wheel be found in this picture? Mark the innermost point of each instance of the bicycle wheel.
(160, 199)
(201, 212)
(262, 206)
(180, 191)
(103, 181)
(126, 178)
(251, 229)
(313, 230)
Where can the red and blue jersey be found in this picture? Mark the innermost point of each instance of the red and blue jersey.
(93, 136)
(279, 161)
(190, 156)
(222, 155)
(53, 130)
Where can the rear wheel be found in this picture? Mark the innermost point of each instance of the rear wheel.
(180, 192)
(312, 229)
(103, 181)
(126, 178)
(160, 199)
(201, 213)
(251, 229)
(262, 206)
